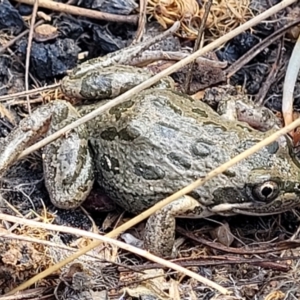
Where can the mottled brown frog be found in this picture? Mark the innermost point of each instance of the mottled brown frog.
(151, 146)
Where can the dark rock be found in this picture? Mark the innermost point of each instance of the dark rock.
(10, 18)
(51, 59)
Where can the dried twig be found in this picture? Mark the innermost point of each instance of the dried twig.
(142, 22)
(11, 42)
(79, 11)
(30, 92)
(215, 260)
(187, 83)
(258, 48)
(28, 51)
(149, 56)
(18, 37)
(289, 84)
(260, 97)
(111, 241)
(263, 249)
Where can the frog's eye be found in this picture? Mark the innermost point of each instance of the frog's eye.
(266, 191)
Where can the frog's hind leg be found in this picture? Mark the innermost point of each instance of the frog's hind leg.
(68, 164)
(159, 235)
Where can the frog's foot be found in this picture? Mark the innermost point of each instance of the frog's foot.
(68, 165)
(160, 229)
(244, 110)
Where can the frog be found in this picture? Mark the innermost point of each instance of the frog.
(150, 146)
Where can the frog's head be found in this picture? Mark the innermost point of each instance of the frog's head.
(265, 183)
(266, 192)
(270, 192)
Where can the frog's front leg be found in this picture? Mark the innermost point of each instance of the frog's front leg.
(67, 163)
(159, 235)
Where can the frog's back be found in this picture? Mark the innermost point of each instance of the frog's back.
(161, 141)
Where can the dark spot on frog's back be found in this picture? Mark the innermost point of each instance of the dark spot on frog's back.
(129, 133)
(110, 164)
(179, 161)
(200, 112)
(96, 87)
(148, 172)
(230, 174)
(201, 148)
(161, 101)
(126, 134)
(175, 108)
(109, 134)
(273, 148)
(121, 108)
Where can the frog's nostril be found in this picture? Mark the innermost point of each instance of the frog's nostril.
(266, 191)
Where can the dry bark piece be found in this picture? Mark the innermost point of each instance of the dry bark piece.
(45, 32)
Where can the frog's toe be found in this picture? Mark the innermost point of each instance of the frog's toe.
(160, 229)
(160, 233)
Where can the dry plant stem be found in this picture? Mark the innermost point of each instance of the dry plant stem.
(31, 240)
(260, 98)
(79, 11)
(188, 80)
(34, 293)
(30, 92)
(22, 102)
(18, 37)
(261, 95)
(258, 48)
(215, 260)
(28, 51)
(10, 43)
(159, 76)
(189, 188)
(289, 83)
(270, 247)
(111, 241)
(142, 22)
(150, 56)
(149, 212)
